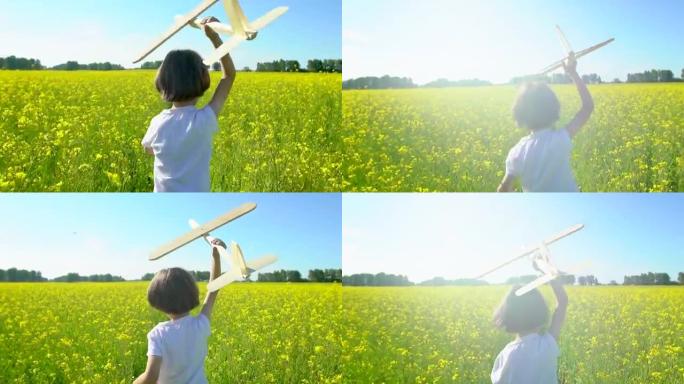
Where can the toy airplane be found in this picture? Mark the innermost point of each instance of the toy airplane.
(570, 52)
(202, 231)
(240, 270)
(241, 29)
(541, 259)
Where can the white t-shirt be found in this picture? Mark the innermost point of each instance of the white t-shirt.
(542, 162)
(182, 346)
(181, 139)
(533, 359)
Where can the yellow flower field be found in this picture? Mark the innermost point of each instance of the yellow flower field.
(457, 139)
(612, 335)
(81, 131)
(96, 333)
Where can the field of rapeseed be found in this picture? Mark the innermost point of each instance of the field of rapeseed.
(612, 335)
(81, 131)
(96, 333)
(457, 139)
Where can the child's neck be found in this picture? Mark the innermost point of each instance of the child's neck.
(181, 104)
(176, 317)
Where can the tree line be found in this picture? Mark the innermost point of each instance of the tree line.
(76, 278)
(383, 279)
(75, 66)
(377, 280)
(294, 276)
(13, 275)
(281, 276)
(314, 65)
(20, 63)
(24, 64)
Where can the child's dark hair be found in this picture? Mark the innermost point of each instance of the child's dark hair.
(519, 314)
(182, 76)
(173, 291)
(536, 106)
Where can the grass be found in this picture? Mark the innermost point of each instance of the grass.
(96, 333)
(612, 335)
(457, 139)
(81, 132)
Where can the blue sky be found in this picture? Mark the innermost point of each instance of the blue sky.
(114, 233)
(500, 39)
(55, 31)
(463, 235)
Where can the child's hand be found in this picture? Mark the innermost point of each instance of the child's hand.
(570, 65)
(211, 34)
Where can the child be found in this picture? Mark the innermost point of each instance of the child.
(177, 348)
(180, 138)
(532, 358)
(541, 160)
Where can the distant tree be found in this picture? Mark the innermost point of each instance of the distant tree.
(3, 275)
(682, 74)
(246, 69)
(613, 282)
(147, 277)
(2, 63)
(568, 279)
(380, 279)
(315, 65)
(680, 277)
(384, 82)
(582, 280)
(592, 79)
(521, 280)
(665, 76)
(216, 66)
(617, 81)
(440, 281)
(151, 65)
(316, 276)
(662, 279)
(444, 83)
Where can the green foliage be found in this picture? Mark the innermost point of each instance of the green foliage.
(612, 335)
(96, 333)
(457, 139)
(81, 132)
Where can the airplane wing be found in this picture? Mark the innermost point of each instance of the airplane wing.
(202, 230)
(180, 23)
(255, 265)
(223, 280)
(563, 234)
(530, 250)
(268, 18)
(225, 49)
(584, 52)
(591, 49)
(534, 284)
(526, 252)
(564, 40)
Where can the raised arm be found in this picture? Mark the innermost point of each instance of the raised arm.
(227, 67)
(211, 296)
(587, 109)
(558, 317)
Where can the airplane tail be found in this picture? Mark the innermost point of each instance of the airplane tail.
(223, 280)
